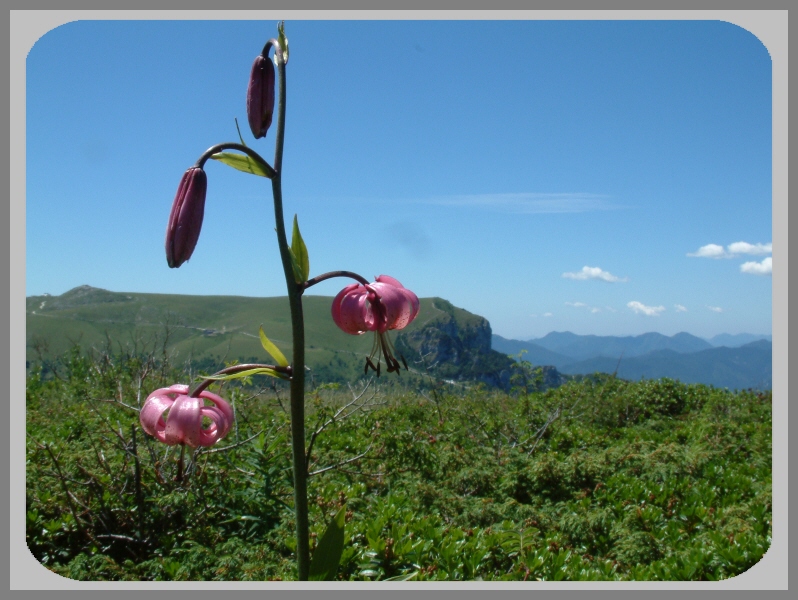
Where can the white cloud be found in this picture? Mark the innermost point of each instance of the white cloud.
(593, 273)
(548, 314)
(732, 250)
(716, 309)
(710, 251)
(758, 268)
(592, 309)
(746, 248)
(680, 308)
(640, 308)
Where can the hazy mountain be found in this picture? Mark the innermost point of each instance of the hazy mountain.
(582, 347)
(535, 354)
(737, 340)
(652, 355)
(749, 366)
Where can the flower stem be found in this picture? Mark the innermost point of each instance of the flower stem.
(298, 364)
(235, 146)
(330, 275)
(202, 386)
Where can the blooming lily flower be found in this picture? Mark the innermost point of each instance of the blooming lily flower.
(185, 220)
(260, 96)
(183, 424)
(380, 306)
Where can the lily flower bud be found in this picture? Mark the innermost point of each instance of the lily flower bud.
(260, 96)
(185, 220)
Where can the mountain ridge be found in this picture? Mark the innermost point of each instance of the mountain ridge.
(457, 345)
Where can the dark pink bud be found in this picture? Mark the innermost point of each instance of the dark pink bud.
(185, 220)
(260, 96)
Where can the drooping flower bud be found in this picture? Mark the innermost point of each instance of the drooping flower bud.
(185, 220)
(260, 96)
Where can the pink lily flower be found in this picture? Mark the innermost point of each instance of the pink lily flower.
(183, 424)
(379, 307)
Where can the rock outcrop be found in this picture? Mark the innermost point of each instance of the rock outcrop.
(455, 345)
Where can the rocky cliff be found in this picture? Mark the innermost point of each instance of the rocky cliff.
(454, 344)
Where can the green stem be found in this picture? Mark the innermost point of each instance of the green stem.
(235, 146)
(330, 275)
(298, 364)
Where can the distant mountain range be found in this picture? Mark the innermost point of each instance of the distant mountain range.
(734, 361)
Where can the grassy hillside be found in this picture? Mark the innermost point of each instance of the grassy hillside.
(206, 330)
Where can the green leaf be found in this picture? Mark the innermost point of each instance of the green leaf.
(299, 252)
(283, 40)
(273, 350)
(328, 553)
(248, 373)
(244, 163)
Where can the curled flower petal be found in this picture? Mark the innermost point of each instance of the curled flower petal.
(401, 305)
(349, 309)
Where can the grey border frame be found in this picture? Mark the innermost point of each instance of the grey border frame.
(25, 573)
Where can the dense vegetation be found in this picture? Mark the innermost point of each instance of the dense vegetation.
(599, 479)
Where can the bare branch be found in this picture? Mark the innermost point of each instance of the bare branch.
(342, 463)
(226, 448)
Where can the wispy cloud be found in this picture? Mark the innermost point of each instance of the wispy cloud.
(592, 309)
(732, 250)
(679, 308)
(548, 314)
(758, 268)
(594, 273)
(716, 309)
(528, 203)
(642, 309)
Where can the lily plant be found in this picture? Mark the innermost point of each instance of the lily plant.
(179, 414)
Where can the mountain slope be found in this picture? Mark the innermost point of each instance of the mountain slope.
(208, 330)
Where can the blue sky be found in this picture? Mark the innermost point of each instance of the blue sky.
(607, 178)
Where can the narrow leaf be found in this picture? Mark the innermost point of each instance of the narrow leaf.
(328, 553)
(295, 266)
(248, 373)
(244, 163)
(300, 253)
(238, 129)
(273, 350)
